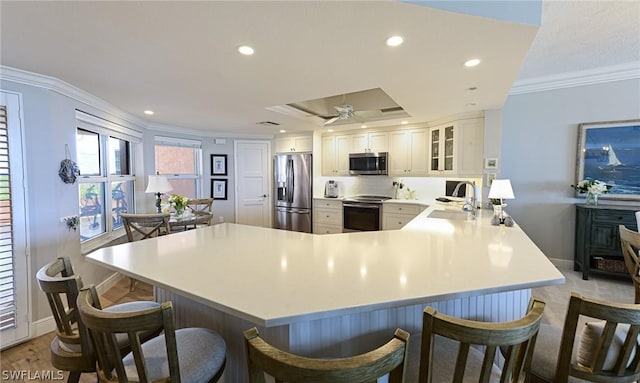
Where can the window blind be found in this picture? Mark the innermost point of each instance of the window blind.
(7, 283)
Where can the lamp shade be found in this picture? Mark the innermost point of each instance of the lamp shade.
(158, 184)
(501, 189)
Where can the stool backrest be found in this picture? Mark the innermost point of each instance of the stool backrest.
(61, 286)
(626, 366)
(365, 368)
(145, 225)
(516, 338)
(103, 327)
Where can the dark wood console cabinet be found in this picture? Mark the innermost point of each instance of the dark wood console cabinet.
(598, 238)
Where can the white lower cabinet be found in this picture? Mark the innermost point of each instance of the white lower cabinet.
(396, 215)
(327, 216)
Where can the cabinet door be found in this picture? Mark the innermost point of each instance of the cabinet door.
(343, 145)
(442, 150)
(418, 155)
(398, 153)
(379, 142)
(329, 156)
(303, 144)
(284, 145)
(359, 143)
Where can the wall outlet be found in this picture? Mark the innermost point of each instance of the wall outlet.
(221, 219)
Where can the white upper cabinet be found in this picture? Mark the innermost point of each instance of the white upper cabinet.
(370, 142)
(335, 155)
(294, 144)
(408, 152)
(456, 148)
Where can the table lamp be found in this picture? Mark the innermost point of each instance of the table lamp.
(158, 184)
(501, 189)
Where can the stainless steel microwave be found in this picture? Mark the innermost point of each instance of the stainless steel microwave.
(368, 163)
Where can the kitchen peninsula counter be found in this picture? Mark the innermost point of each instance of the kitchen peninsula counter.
(311, 293)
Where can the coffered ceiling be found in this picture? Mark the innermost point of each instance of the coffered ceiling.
(180, 58)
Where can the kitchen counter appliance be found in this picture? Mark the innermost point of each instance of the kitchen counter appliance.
(362, 213)
(293, 191)
(369, 163)
(331, 189)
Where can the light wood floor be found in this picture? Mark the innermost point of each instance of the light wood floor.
(34, 355)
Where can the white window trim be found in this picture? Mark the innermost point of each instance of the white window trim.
(107, 129)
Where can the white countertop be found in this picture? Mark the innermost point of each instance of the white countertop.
(273, 277)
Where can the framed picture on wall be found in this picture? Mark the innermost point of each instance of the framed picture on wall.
(610, 152)
(218, 164)
(490, 163)
(218, 189)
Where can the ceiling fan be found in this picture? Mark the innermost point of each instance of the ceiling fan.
(345, 111)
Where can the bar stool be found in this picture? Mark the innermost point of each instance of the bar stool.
(190, 355)
(71, 349)
(365, 368)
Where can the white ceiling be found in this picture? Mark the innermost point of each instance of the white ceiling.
(180, 60)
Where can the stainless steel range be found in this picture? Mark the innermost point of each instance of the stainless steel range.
(362, 213)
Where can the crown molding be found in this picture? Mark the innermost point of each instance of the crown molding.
(625, 71)
(163, 128)
(56, 85)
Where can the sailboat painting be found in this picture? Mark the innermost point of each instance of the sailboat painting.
(610, 152)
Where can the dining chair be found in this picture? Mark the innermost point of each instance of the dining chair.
(189, 355)
(598, 343)
(201, 209)
(262, 358)
(71, 349)
(630, 244)
(143, 226)
(461, 350)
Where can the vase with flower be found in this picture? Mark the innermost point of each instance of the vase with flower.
(179, 203)
(593, 188)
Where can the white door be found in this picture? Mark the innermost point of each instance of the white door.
(253, 175)
(14, 301)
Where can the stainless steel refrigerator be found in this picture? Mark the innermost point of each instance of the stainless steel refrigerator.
(293, 182)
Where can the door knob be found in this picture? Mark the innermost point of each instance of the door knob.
(264, 196)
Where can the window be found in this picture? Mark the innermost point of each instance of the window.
(180, 160)
(106, 185)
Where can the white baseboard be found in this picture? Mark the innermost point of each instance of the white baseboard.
(48, 324)
(562, 264)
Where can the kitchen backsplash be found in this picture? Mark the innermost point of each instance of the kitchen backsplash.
(425, 187)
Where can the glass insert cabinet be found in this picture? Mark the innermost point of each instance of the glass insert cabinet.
(441, 157)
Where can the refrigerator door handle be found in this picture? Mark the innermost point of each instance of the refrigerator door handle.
(290, 180)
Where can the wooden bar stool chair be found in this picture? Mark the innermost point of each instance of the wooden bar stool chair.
(599, 343)
(71, 349)
(143, 226)
(365, 368)
(189, 355)
(459, 350)
(630, 244)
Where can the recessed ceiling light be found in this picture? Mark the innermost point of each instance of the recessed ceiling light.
(363, 126)
(405, 122)
(246, 50)
(148, 112)
(282, 131)
(471, 63)
(329, 130)
(394, 41)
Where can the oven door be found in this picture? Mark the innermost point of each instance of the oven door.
(360, 217)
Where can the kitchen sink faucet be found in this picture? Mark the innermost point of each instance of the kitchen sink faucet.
(473, 202)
